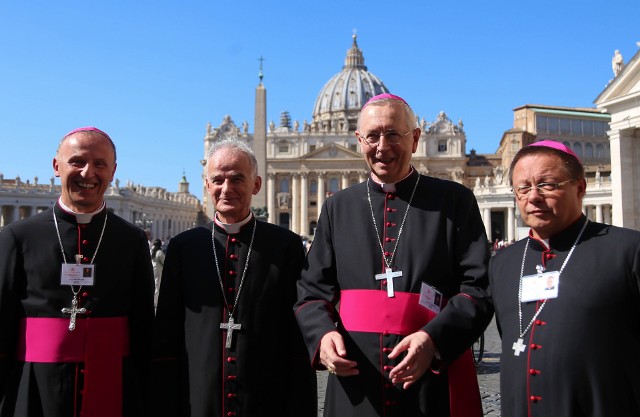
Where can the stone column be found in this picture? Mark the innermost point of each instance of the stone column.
(295, 203)
(321, 191)
(486, 219)
(271, 197)
(362, 176)
(607, 214)
(304, 204)
(511, 223)
(16, 213)
(344, 180)
(599, 213)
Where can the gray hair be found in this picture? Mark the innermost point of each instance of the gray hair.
(412, 120)
(237, 144)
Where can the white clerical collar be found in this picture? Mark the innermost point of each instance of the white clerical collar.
(232, 228)
(81, 218)
(391, 187)
(544, 241)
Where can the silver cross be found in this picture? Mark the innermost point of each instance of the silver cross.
(74, 310)
(389, 275)
(230, 327)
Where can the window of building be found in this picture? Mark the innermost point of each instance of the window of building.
(334, 185)
(588, 151)
(283, 220)
(587, 127)
(284, 185)
(313, 187)
(565, 126)
(353, 147)
(576, 127)
(442, 146)
(283, 148)
(600, 152)
(312, 148)
(599, 129)
(541, 124)
(553, 125)
(577, 148)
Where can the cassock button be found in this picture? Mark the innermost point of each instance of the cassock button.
(231, 395)
(535, 398)
(389, 403)
(390, 210)
(231, 359)
(387, 368)
(231, 414)
(232, 256)
(232, 272)
(230, 289)
(85, 259)
(231, 378)
(84, 242)
(234, 240)
(387, 254)
(534, 372)
(391, 196)
(389, 239)
(535, 347)
(85, 294)
(386, 350)
(540, 322)
(549, 255)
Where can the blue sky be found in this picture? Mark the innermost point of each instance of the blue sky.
(152, 74)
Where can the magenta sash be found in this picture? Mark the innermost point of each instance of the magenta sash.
(373, 311)
(100, 343)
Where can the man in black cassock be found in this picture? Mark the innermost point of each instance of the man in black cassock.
(378, 245)
(226, 340)
(571, 350)
(76, 298)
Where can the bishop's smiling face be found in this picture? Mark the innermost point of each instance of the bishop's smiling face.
(388, 162)
(86, 164)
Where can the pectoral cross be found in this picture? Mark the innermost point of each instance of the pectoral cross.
(518, 347)
(230, 327)
(74, 310)
(389, 275)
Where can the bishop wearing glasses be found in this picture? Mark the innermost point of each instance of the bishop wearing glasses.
(567, 298)
(394, 290)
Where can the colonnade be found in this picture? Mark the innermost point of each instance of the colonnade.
(302, 202)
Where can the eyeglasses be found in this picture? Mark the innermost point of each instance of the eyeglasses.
(392, 137)
(543, 188)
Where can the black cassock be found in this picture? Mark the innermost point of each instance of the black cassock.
(442, 243)
(581, 354)
(265, 371)
(30, 289)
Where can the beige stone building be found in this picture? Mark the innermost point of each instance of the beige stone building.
(621, 99)
(163, 213)
(307, 162)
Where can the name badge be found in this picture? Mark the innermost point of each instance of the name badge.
(75, 274)
(540, 286)
(430, 298)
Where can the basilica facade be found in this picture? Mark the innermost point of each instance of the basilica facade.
(304, 163)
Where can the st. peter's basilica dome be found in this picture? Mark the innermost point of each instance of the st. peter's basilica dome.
(340, 100)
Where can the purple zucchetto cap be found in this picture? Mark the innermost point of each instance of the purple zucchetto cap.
(86, 129)
(382, 97)
(557, 146)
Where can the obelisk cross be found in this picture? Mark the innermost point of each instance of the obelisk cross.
(74, 310)
(230, 327)
(389, 275)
